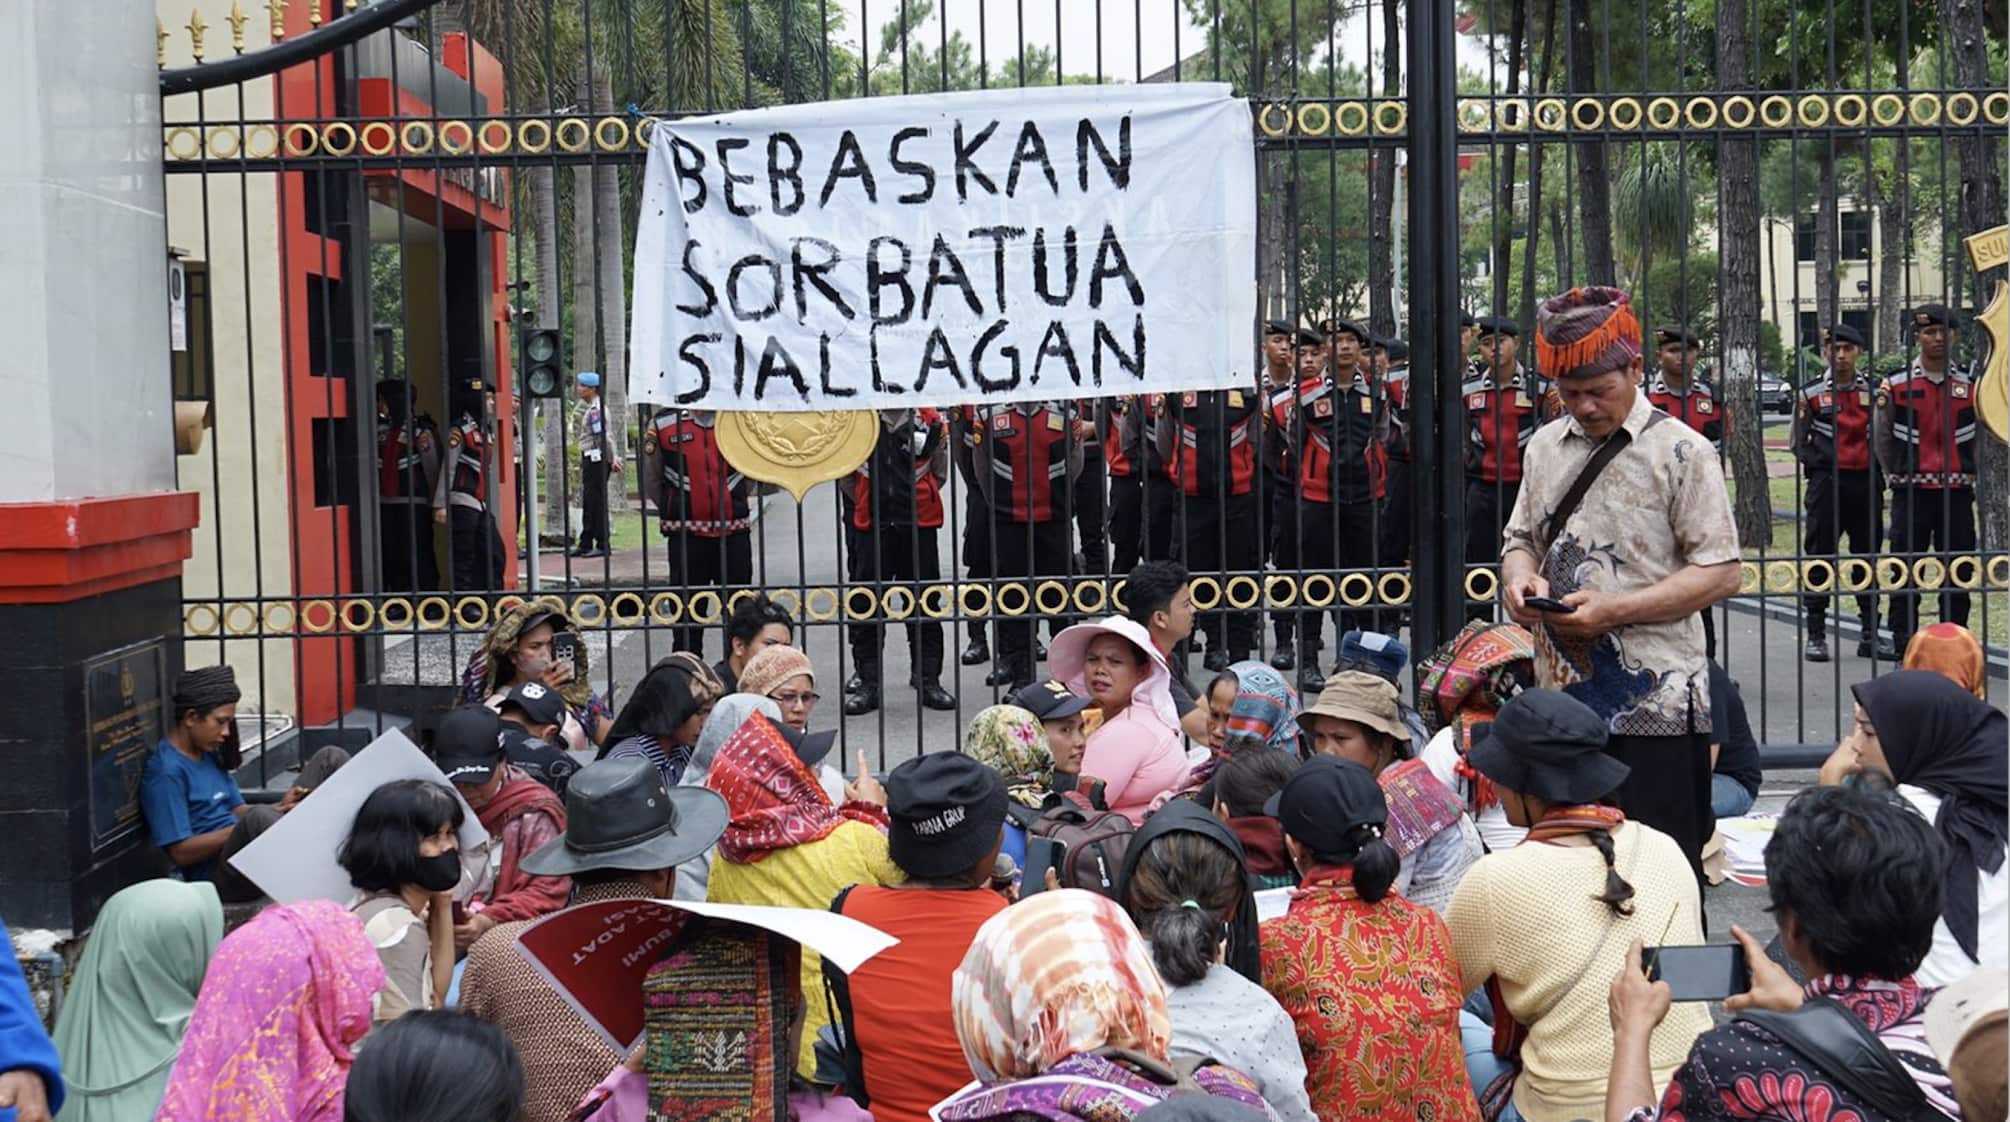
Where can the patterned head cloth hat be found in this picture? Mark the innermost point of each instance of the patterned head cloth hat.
(1586, 332)
(1012, 742)
(773, 666)
(1265, 706)
(1050, 977)
(205, 688)
(775, 800)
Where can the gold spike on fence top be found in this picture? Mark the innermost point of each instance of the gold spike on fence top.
(276, 9)
(236, 19)
(160, 42)
(314, 13)
(196, 27)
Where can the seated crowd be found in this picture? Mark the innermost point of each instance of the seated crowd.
(1345, 908)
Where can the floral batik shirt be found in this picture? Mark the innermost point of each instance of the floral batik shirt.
(1373, 990)
(1741, 1071)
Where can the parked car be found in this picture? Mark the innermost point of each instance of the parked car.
(1775, 395)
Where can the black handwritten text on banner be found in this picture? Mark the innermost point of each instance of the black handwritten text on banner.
(971, 247)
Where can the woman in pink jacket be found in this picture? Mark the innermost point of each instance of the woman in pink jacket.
(1136, 752)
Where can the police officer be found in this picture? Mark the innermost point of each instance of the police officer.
(461, 496)
(703, 508)
(408, 467)
(1090, 497)
(1343, 461)
(1286, 349)
(1210, 452)
(598, 457)
(1503, 409)
(897, 510)
(1923, 432)
(1831, 439)
(967, 434)
(1028, 464)
(1677, 389)
(1393, 358)
(1160, 529)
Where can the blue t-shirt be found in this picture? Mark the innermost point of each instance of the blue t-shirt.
(183, 798)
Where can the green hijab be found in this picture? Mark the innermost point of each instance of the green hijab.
(122, 1021)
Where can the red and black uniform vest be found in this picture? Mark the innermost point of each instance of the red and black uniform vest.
(1112, 430)
(1701, 409)
(1835, 426)
(1933, 424)
(1029, 462)
(1279, 404)
(471, 467)
(1215, 450)
(1499, 421)
(1396, 388)
(697, 491)
(1147, 413)
(1341, 459)
(896, 486)
(401, 460)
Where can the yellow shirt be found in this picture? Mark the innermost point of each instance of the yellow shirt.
(808, 876)
(1531, 917)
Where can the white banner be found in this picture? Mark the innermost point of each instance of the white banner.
(1000, 246)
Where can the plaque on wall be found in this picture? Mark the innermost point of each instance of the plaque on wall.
(125, 693)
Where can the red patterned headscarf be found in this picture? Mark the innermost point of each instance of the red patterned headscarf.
(1468, 680)
(775, 800)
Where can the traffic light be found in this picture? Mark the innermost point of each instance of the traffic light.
(541, 375)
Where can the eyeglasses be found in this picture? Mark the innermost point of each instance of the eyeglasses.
(791, 700)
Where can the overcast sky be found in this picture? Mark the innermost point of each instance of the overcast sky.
(1138, 37)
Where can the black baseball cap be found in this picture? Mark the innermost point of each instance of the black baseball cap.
(468, 745)
(945, 811)
(1933, 315)
(1049, 700)
(1843, 333)
(539, 702)
(1325, 801)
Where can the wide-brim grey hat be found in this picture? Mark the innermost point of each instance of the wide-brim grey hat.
(619, 815)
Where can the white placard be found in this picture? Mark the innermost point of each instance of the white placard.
(294, 859)
(989, 247)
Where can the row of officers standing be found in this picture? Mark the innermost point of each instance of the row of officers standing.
(1309, 470)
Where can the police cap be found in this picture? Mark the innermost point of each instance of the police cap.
(1933, 315)
(1670, 333)
(1843, 333)
(1499, 325)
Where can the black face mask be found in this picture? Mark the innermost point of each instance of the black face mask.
(438, 874)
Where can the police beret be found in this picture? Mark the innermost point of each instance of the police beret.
(589, 379)
(1499, 325)
(1843, 333)
(1669, 333)
(1335, 327)
(1279, 327)
(1399, 351)
(1466, 320)
(1930, 315)
(1309, 338)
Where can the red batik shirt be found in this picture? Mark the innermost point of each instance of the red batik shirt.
(1374, 992)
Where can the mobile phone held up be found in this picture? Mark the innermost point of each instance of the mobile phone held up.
(565, 647)
(1041, 854)
(1706, 973)
(1548, 604)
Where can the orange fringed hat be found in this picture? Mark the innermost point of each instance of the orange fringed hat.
(1586, 331)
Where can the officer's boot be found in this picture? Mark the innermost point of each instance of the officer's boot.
(864, 697)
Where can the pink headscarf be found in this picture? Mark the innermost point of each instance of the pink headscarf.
(284, 1003)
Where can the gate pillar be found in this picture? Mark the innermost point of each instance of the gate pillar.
(92, 530)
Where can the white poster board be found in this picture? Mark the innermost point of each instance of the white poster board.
(295, 859)
(981, 247)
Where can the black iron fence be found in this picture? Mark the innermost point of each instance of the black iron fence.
(383, 200)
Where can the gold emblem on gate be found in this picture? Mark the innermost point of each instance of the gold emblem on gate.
(1988, 250)
(797, 451)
